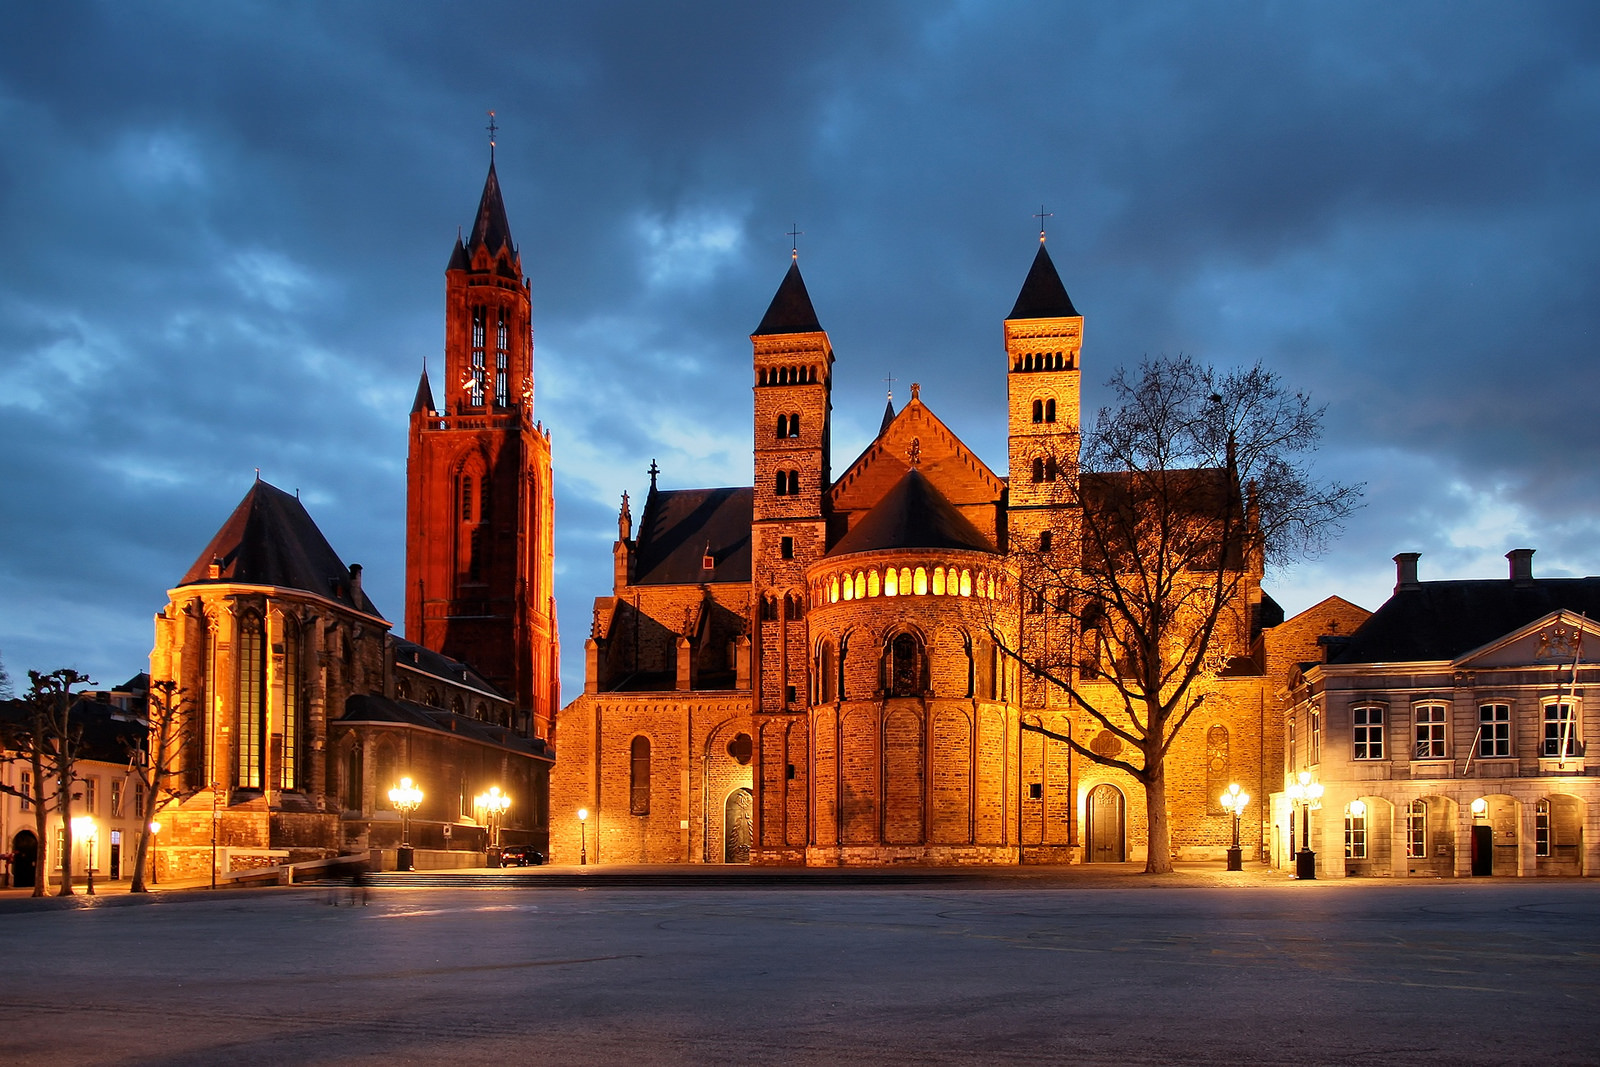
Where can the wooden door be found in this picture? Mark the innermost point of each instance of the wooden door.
(1106, 826)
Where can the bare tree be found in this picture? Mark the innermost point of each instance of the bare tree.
(156, 766)
(44, 736)
(1189, 484)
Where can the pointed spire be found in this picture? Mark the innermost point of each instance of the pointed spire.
(491, 230)
(458, 257)
(790, 310)
(424, 398)
(888, 416)
(1043, 296)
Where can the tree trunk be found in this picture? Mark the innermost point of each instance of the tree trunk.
(1158, 835)
(41, 873)
(64, 806)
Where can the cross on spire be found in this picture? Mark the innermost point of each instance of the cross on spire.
(1041, 215)
(654, 470)
(795, 234)
(493, 128)
(890, 379)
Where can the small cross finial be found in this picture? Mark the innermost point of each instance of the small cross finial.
(654, 470)
(258, 474)
(1041, 215)
(795, 234)
(890, 380)
(493, 128)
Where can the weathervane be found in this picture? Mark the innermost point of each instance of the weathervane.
(493, 128)
(795, 233)
(1039, 215)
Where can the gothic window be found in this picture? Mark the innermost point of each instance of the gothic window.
(905, 665)
(195, 753)
(792, 609)
(501, 356)
(475, 381)
(769, 608)
(352, 779)
(1217, 767)
(251, 719)
(639, 776)
(294, 730)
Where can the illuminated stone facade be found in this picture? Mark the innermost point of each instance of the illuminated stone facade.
(800, 671)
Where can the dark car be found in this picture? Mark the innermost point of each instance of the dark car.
(521, 856)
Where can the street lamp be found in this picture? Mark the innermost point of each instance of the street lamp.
(83, 830)
(583, 836)
(1308, 794)
(493, 804)
(155, 829)
(1234, 801)
(406, 798)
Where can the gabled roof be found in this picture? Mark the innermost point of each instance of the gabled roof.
(490, 230)
(913, 514)
(424, 398)
(790, 310)
(427, 661)
(375, 708)
(1444, 620)
(680, 527)
(270, 540)
(1043, 296)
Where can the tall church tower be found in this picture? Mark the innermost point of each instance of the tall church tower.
(1043, 337)
(479, 491)
(793, 381)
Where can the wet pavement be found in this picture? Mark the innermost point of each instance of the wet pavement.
(1036, 966)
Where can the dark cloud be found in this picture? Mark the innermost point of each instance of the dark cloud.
(226, 225)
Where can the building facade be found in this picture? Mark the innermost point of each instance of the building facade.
(803, 670)
(1448, 735)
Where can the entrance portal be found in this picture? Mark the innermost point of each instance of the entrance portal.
(736, 827)
(1107, 842)
(24, 860)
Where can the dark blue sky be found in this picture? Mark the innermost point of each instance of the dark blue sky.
(223, 230)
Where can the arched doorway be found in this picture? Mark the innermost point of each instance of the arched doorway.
(736, 827)
(1107, 839)
(24, 860)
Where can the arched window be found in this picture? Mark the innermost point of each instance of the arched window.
(792, 609)
(861, 585)
(904, 664)
(833, 590)
(872, 582)
(352, 778)
(475, 383)
(780, 483)
(249, 743)
(794, 424)
(1050, 410)
(919, 582)
(1044, 540)
(457, 705)
(1038, 468)
(769, 609)
(783, 426)
(891, 582)
(938, 581)
(1050, 468)
(502, 394)
(827, 674)
(402, 689)
(966, 583)
(1038, 411)
(294, 729)
(639, 776)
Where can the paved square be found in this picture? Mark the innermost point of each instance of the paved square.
(1328, 972)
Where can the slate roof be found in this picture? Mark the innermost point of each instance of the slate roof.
(913, 514)
(427, 661)
(490, 230)
(888, 417)
(371, 707)
(681, 526)
(1043, 296)
(109, 734)
(1443, 620)
(790, 310)
(270, 540)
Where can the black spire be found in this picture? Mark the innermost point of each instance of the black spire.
(1043, 296)
(790, 310)
(491, 229)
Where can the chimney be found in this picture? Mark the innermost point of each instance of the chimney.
(355, 584)
(1405, 571)
(1521, 566)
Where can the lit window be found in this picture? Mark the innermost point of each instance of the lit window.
(938, 581)
(1367, 733)
(1417, 829)
(639, 777)
(116, 798)
(1494, 730)
(861, 585)
(872, 582)
(251, 718)
(891, 582)
(1541, 828)
(919, 584)
(966, 583)
(1355, 831)
(1429, 722)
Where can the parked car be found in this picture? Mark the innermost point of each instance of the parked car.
(521, 856)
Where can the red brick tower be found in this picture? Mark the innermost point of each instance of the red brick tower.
(479, 491)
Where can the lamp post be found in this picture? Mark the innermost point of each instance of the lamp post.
(1234, 801)
(1308, 794)
(583, 836)
(493, 804)
(83, 829)
(155, 829)
(406, 798)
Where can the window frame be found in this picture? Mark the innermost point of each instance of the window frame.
(1355, 834)
(1367, 737)
(1437, 741)
(1502, 735)
(1554, 745)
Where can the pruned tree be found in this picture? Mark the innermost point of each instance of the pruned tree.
(5, 682)
(42, 734)
(157, 765)
(1189, 483)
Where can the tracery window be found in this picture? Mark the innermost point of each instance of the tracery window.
(501, 357)
(251, 711)
(475, 380)
(639, 776)
(293, 728)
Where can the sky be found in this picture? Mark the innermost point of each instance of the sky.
(224, 228)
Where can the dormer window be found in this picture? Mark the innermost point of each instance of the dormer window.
(708, 562)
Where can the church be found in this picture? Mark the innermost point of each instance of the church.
(804, 670)
(300, 710)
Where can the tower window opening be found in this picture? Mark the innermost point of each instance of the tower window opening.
(1050, 468)
(501, 358)
(1044, 540)
(476, 380)
(1038, 411)
(1038, 469)
(786, 548)
(1050, 410)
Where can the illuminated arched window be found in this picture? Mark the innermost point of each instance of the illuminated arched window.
(905, 581)
(476, 379)
(249, 743)
(872, 582)
(966, 583)
(891, 582)
(904, 666)
(861, 585)
(502, 353)
(833, 590)
(639, 776)
(938, 581)
(290, 765)
(919, 582)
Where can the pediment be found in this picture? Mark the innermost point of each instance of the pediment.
(948, 464)
(1556, 638)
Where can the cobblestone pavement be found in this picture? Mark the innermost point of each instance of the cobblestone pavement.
(1113, 968)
